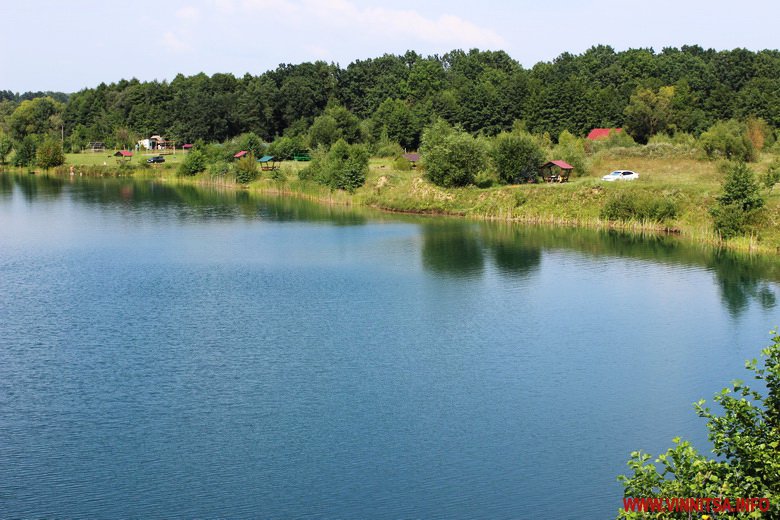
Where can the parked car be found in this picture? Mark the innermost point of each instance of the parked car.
(156, 159)
(621, 175)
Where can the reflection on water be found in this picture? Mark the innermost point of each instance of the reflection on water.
(450, 247)
(511, 249)
(740, 281)
(6, 185)
(34, 186)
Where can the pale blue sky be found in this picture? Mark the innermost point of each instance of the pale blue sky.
(66, 46)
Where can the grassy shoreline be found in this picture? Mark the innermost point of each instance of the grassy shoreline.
(692, 184)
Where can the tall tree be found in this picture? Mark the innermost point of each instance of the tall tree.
(34, 117)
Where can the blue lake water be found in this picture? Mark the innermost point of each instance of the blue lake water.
(170, 352)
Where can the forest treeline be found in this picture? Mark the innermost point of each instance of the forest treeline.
(395, 97)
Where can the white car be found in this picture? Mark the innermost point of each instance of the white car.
(621, 175)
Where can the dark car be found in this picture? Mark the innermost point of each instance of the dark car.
(156, 159)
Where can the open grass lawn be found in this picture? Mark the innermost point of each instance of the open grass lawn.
(107, 158)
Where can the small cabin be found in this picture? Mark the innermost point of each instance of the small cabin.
(240, 154)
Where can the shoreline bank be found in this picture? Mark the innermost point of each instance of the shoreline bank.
(576, 204)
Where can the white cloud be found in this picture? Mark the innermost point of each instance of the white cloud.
(271, 7)
(446, 29)
(189, 13)
(175, 44)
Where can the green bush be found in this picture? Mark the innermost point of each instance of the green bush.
(451, 156)
(630, 205)
(402, 164)
(251, 142)
(194, 163)
(219, 168)
(285, 148)
(572, 150)
(246, 169)
(6, 145)
(387, 148)
(279, 175)
(49, 154)
(772, 175)
(343, 167)
(486, 179)
(516, 157)
(739, 204)
(25, 151)
(730, 140)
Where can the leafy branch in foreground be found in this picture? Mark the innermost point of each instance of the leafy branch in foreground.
(746, 445)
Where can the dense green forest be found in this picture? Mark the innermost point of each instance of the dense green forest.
(396, 97)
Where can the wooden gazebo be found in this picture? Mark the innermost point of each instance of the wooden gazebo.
(267, 163)
(123, 156)
(556, 171)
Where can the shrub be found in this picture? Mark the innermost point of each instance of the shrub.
(402, 164)
(49, 153)
(452, 157)
(516, 157)
(194, 163)
(572, 150)
(772, 175)
(486, 179)
(251, 142)
(343, 167)
(6, 145)
(285, 148)
(25, 151)
(728, 139)
(387, 148)
(629, 205)
(279, 176)
(246, 169)
(656, 150)
(739, 204)
(219, 168)
(324, 131)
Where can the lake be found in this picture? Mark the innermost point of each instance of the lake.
(175, 352)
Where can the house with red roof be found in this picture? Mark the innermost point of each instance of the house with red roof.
(602, 133)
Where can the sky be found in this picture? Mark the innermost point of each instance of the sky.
(68, 46)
